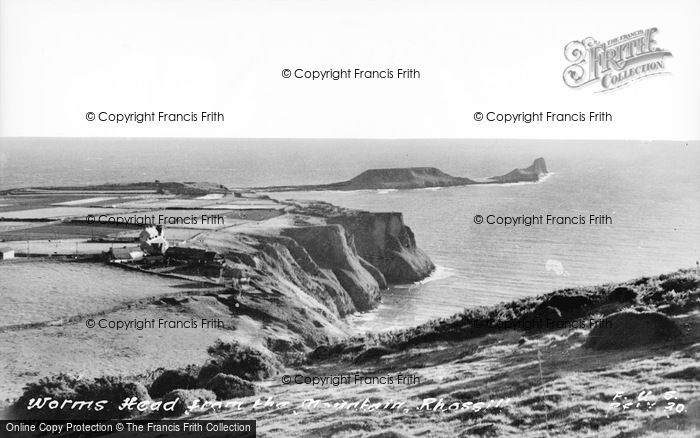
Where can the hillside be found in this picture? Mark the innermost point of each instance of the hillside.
(402, 178)
(479, 373)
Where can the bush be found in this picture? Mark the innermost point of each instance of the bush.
(58, 387)
(185, 397)
(208, 371)
(115, 390)
(545, 313)
(226, 387)
(64, 387)
(321, 352)
(372, 353)
(629, 329)
(569, 305)
(623, 294)
(680, 284)
(173, 379)
(239, 360)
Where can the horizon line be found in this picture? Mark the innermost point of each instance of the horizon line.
(343, 138)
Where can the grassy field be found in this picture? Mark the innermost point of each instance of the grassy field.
(56, 231)
(60, 213)
(28, 202)
(72, 348)
(48, 291)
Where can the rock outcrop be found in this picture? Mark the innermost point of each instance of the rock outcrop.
(285, 257)
(530, 174)
(306, 269)
(385, 242)
(328, 248)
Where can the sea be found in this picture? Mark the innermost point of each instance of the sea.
(648, 193)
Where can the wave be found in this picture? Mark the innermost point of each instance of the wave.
(545, 177)
(542, 179)
(439, 273)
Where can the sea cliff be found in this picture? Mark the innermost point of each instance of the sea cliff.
(383, 240)
(342, 257)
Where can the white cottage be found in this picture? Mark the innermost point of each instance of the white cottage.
(152, 240)
(7, 253)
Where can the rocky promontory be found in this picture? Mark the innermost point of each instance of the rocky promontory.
(341, 257)
(529, 174)
(385, 242)
(418, 178)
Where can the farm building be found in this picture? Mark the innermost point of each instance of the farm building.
(152, 240)
(193, 255)
(7, 253)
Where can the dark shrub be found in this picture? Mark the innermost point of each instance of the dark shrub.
(63, 387)
(59, 387)
(372, 353)
(570, 306)
(654, 296)
(172, 379)
(320, 353)
(623, 294)
(641, 281)
(226, 387)
(632, 329)
(210, 369)
(540, 316)
(240, 360)
(185, 397)
(680, 284)
(115, 390)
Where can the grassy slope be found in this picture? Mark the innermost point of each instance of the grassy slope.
(553, 386)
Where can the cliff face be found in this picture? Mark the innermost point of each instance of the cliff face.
(385, 242)
(287, 263)
(329, 249)
(320, 258)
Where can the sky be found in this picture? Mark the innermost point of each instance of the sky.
(60, 59)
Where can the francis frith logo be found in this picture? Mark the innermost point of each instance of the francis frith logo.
(614, 63)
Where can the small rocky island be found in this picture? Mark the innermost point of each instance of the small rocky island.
(419, 178)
